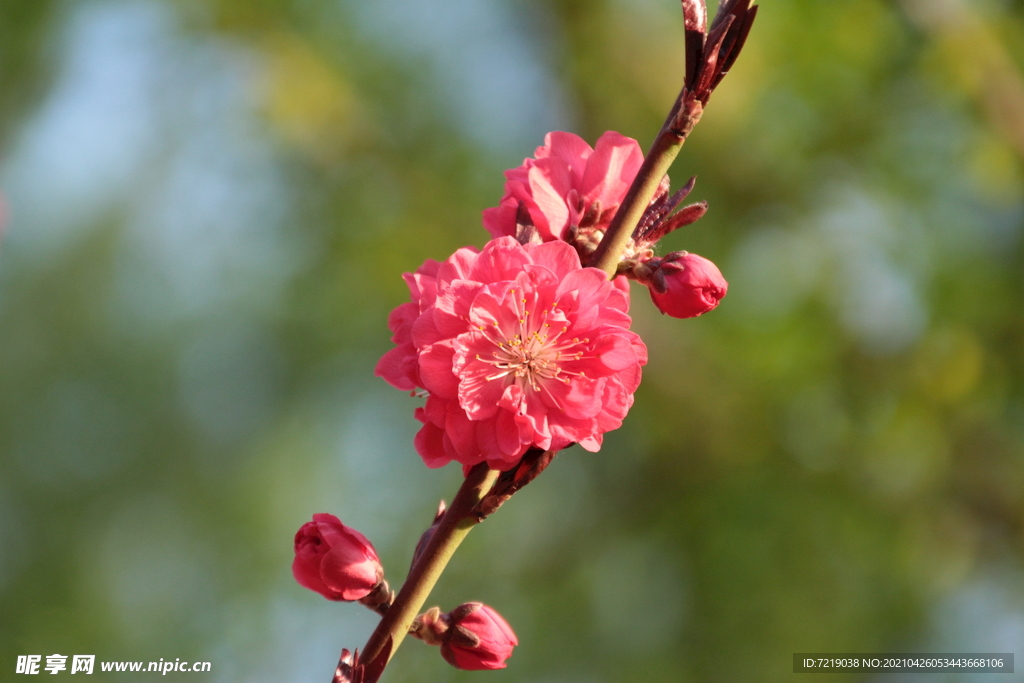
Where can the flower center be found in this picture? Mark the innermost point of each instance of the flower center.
(530, 349)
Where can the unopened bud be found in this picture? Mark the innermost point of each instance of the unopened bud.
(477, 638)
(686, 285)
(335, 561)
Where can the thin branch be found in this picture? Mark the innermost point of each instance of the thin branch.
(457, 522)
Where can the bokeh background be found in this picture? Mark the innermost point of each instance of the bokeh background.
(208, 205)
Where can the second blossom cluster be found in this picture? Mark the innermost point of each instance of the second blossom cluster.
(571, 192)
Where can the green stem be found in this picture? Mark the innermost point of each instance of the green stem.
(656, 164)
(454, 526)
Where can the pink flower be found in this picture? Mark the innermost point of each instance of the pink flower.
(516, 346)
(567, 184)
(685, 285)
(335, 561)
(477, 638)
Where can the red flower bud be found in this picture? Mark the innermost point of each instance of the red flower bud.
(477, 638)
(335, 561)
(686, 285)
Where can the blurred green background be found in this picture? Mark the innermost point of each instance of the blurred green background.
(209, 205)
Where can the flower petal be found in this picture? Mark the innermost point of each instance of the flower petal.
(611, 169)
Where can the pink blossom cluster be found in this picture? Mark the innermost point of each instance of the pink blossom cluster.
(517, 346)
(520, 346)
(566, 184)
